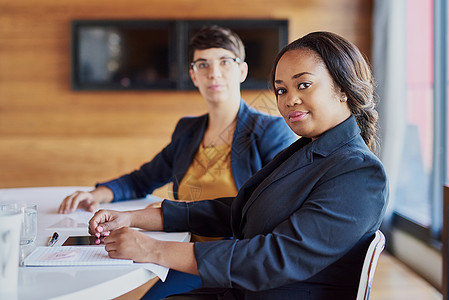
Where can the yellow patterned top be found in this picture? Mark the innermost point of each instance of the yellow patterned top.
(208, 177)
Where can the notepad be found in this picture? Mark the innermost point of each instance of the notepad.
(72, 256)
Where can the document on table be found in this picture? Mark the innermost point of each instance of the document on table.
(72, 256)
(78, 222)
(66, 256)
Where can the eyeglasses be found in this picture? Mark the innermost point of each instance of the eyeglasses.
(203, 66)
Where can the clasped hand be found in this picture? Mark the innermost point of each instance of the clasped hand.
(120, 240)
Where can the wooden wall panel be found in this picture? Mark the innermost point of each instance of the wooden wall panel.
(51, 135)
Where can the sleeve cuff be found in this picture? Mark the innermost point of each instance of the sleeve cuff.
(176, 216)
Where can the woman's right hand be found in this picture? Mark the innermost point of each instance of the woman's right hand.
(89, 201)
(104, 221)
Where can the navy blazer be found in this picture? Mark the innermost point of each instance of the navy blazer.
(258, 137)
(301, 225)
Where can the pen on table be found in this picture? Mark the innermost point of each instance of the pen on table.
(54, 238)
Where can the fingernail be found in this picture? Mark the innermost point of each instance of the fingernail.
(99, 229)
(106, 234)
(97, 235)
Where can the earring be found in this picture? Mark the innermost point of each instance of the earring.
(344, 98)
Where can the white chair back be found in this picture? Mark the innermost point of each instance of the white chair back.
(369, 265)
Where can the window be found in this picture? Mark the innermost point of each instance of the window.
(424, 143)
(412, 195)
(446, 83)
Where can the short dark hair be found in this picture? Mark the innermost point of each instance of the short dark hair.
(217, 37)
(349, 71)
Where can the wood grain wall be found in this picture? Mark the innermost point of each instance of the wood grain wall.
(51, 135)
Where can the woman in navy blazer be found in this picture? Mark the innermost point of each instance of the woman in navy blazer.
(217, 69)
(302, 224)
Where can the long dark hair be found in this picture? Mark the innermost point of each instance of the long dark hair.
(350, 72)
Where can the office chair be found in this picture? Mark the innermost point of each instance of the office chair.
(369, 265)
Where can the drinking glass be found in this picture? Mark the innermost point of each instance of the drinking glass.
(29, 223)
(28, 232)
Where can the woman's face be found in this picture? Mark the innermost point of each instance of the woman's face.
(307, 97)
(220, 81)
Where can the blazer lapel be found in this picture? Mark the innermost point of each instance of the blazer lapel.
(190, 143)
(291, 159)
(298, 155)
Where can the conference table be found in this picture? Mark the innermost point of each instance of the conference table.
(76, 282)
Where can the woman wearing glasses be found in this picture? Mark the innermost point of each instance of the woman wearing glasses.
(209, 156)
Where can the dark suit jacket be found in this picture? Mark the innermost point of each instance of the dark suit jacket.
(258, 137)
(300, 225)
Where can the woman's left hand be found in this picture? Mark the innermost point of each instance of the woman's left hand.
(127, 243)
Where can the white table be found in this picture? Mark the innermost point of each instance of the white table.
(99, 282)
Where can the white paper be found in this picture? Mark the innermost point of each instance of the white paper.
(84, 256)
(68, 223)
(72, 256)
(80, 218)
(158, 270)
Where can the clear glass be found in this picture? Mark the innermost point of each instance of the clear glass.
(29, 223)
(28, 231)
